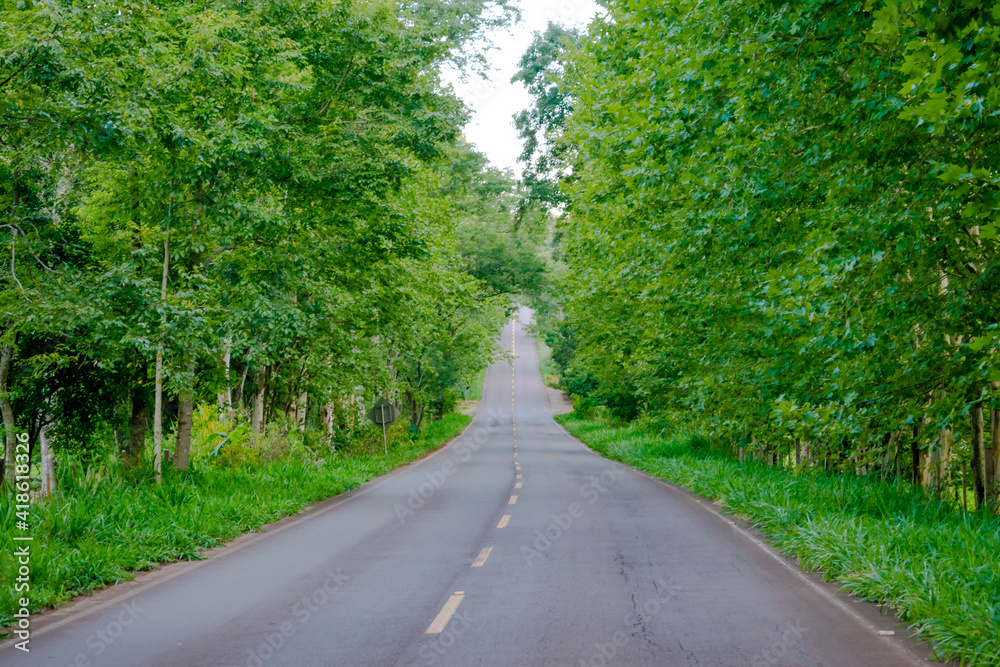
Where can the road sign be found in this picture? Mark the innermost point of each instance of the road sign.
(383, 413)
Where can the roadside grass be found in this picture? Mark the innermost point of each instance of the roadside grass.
(550, 375)
(474, 393)
(938, 569)
(105, 524)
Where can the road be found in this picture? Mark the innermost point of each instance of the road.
(514, 545)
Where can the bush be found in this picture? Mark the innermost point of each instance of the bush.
(217, 439)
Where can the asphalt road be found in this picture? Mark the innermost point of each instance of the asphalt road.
(515, 545)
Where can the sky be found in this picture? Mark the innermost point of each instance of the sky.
(495, 100)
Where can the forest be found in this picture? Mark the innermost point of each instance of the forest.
(760, 240)
(779, 277)
(228, 227)
(260, 208)
(781, 224)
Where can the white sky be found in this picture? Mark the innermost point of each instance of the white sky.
(495, 101)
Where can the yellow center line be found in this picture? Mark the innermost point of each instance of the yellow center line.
(504, 521)
(518, 485)
(441, 622)
(513, 499)
(483, 555)
(519, 476)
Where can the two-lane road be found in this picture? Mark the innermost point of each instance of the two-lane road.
(514, 545)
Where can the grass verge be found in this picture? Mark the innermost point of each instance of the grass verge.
(102, 527)
(936, 568)
(547, 367)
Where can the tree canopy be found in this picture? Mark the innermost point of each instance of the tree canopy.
(240, 202)
(783, 224)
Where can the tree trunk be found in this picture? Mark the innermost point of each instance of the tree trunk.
(158, 401)
(158, 417)
(300, 413)
(238, 397)
(978, 455)
(416, 410)
(938, 460)
(993, 458)
(185, 401)
(138, 425)
(257, 415)
(915, 453)
(48, 469)
(185, 420)
(327, 419)
(226, 395)
(7, 410)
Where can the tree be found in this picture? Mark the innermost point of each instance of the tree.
(541, 125)
(776, 223)
(225, 194)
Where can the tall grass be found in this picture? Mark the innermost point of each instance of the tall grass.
(475, 385)
(105, 524)
(937, 568)
(550, 374)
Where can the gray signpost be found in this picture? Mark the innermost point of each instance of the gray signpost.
(383, 414)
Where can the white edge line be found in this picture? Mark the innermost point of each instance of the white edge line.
(695, 500)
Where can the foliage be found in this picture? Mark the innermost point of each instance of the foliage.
(540, 126)
(250, 188)
(217, 439)
(782, 220)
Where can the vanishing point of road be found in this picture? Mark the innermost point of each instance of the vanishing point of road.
(513, 545)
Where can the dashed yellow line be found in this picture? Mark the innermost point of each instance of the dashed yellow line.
(504, 521)
(483, 555)
(519, 476)
(513, 500)
(517, 486)
(438, 625)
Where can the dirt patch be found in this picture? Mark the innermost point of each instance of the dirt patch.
(559, 402)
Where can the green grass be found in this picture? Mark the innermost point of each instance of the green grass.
(550, 374)
(937, 568)
(104, 526)
(475, 392)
